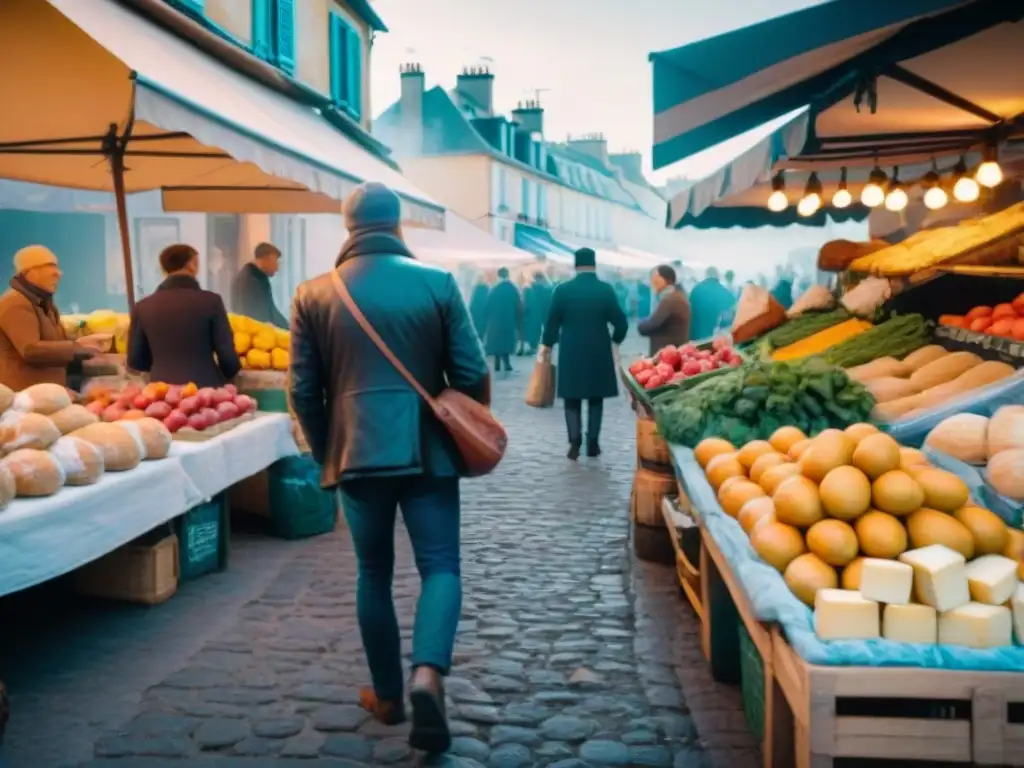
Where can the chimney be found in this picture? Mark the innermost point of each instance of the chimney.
(530, 115)
(632, 165)
(593, 144)
(477, 83)
(411, 107)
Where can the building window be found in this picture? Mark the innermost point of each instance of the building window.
(525, 202)
(542, 202)
(503, 189)
(273, 32)
(346, 67)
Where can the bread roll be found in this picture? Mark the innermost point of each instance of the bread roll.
(121, 449)
(36, 473)
(8, 488)
(6, 397)
(82, 462)
(42, 398)
(26, 430)
(154, 436)
(73, 417)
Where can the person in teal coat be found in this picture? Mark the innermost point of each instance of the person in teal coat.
(711, 303)
(478, 306)
(537, 299)
(582, 310)
(504, 314)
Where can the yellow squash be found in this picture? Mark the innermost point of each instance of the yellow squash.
(819, 342)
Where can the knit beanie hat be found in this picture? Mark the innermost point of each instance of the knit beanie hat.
(32, 256)
(372, 206)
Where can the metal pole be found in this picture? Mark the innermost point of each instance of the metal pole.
(117, 172)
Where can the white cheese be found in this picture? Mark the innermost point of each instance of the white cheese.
(1017, 606)
(910, 623)
(842, 614)
(886, 581)
(976, 625)
(991, 579)
(940, 577)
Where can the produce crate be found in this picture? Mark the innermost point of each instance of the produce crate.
(299, 507)
(683, 532)
(204, 535)
(144, 571)
(983, 345)
(888, 716)
(642, 398)
(752, 683)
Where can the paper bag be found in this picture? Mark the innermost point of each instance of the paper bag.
(540, 389)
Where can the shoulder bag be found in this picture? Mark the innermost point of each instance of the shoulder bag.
(479, 437)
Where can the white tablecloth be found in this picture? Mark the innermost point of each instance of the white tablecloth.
(41, 539)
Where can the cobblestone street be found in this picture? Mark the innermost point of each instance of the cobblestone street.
(570, 652)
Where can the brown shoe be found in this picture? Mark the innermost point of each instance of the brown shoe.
(429, 732)
(384, 711)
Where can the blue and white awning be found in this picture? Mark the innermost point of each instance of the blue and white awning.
(540, 242)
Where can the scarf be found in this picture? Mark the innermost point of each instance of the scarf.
(372, 243)
(33, 293)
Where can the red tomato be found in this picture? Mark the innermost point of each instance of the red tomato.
(1018, 329)
(644, 376)
(670, 356)
(979, 312)
(954, 321)
(654, 382)
(1003, 310)
(1002, 327)
(980, 324)
(1018, 305)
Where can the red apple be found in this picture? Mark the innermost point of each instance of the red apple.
(670, 356)
(222, 395)
(113, 412)
(210, 415)
(175, 420)
(173, 395)
(142, 402)
(232, 389)
(245, 404)
(189, 405)
(228, 411)
(205, 396)
(197, 421)
(159, 410)
(129, 392)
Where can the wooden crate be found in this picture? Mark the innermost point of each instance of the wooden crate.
(686, 572)
(144, 571)
(880, 714)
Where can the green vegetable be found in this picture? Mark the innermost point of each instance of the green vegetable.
(896, 337)
(800, 328)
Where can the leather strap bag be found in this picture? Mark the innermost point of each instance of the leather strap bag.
(480, 438)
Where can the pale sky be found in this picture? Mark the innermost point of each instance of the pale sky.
(590, 55)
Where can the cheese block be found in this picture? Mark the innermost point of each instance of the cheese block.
(886, 581)
(940, 576)
(842, 614)
(1017, 607)
(910, 623)
(991, 579)
(976, 625)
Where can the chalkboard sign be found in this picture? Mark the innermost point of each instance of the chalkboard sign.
(202, 536)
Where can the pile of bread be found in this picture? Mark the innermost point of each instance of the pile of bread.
(47, 442)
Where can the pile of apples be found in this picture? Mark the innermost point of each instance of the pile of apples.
(177, 406)
(674, 364)
(1001, 320)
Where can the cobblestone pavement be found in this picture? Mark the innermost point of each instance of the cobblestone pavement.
(569, 652)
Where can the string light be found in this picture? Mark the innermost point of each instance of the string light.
(842, 197)
(935, 196)
(897, 198)
(777, 201)
(811, 201)
(989, 174)
(966, 189)
(873, 195)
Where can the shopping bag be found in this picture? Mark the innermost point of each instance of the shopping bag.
(540, 389)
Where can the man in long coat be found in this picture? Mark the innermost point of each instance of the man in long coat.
(504, 313)
(478, 305)
(582, 310)
(538, 301)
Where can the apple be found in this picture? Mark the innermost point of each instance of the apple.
(670, 356)
(664, 370)
(691, 367)
(173, 396)
(175, 420)
(142, 401)
(222, 395)
(113, 412)
(211, 416)
(227, 411)
(205, 396)
(644, 376)
(159, 410)
(245, 404)
(189, 405)
(231, 389)
(654, 382)
(198, 421)
(129, 392)
(96, 407)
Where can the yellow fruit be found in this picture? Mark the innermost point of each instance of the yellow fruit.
(777, 544)
(876, 454)
(707, 449)
(738, 494)
(243, 342)
(101, 321)
(752, 451)
(258, 359)
(1015, 549)
(755, 512)
(245, 364)
(235, 321)
(845, 493)
(283, 339)
(796, 450)
(897, 493)
(858, 432)
(910, 457)
(827, 451)
(721, 468)
(797, 502)
(264, 340)
(881, 535)
(765, 462)
(279, 359)
(784, 438)
(833, 541)
(851, 575)
(772, 477)
(943, 490)
(929, 526)
(990, 534)
(806, 574)
(728, 483)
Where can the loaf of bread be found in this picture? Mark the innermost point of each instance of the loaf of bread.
(8, 489)
(6, 397)
(42, 398)
(82, 462)
(121, 449)
(154, 436)
(73, 417)
(35, 472)
(26, 430)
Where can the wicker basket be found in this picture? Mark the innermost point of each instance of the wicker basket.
(649, 488)
(140, 572)
(649, 444)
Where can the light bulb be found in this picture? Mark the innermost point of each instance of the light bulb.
(809, 205)
(842, 198)
(966, 190)
(872, 195)
(896, 200)
(989, 174)
(935, 198)
(778, 202)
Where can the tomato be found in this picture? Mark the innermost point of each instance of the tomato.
(979, 312)
(954, 321)
(1003, 310)
(1002, 327)
(980, 324)
(1017, 332)
(1018, 305)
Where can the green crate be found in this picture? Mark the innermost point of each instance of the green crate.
(204, 534)
(270, 400)
(299, 507)
(751, 682)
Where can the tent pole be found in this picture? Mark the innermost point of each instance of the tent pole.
(117, 172)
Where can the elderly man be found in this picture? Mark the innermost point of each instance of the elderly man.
(34, 349)
(670, 323)
(251, 293)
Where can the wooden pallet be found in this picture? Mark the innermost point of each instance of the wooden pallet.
(883, 714)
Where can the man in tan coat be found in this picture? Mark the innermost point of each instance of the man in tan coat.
(34, 348)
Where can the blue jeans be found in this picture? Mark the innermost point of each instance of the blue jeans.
(430, 508)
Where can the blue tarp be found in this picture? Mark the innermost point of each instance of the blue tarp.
(773, 602)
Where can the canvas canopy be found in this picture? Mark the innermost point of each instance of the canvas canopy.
(462, 244)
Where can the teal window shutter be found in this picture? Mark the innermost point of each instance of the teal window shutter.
(262, 29)
(354, 70)
(337, 33)
(284, 33)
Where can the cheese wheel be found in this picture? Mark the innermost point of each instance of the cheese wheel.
(121, 449)
(73, 417)
(8, 488)
(42, 398)
(6, 397)
(27, 430)
(35, 472)
(82, 462)
(154, 436)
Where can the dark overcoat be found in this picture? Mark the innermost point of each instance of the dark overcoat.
(504, 313)
(538, 303)
(582, 310)
(478, 307)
